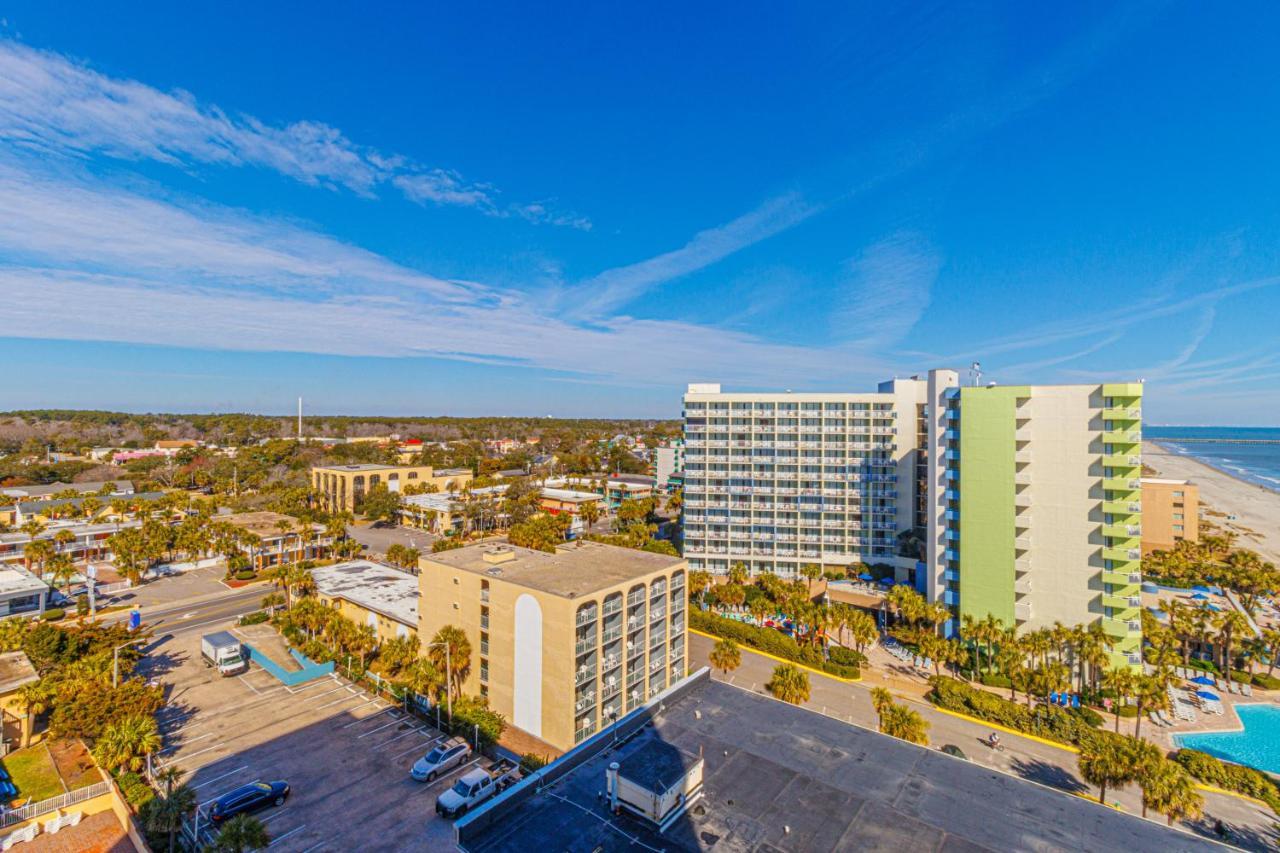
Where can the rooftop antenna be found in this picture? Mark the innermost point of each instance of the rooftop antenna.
(975, 373)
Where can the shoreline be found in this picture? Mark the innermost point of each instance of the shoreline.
(1256, 508)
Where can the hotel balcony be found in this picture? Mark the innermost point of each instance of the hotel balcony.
(1121, 580)
(1022, 478)
(1121, 507)
(1022, 565)
(1121, 436)
(1122, 413)
(1122, 531)
(1021, 612)
(1022, 456)
(1022, 543)
(1121, 628)
(1121, 603)
(1022, 585)
(1022, 498)
(1122, 484)
(1122, 555)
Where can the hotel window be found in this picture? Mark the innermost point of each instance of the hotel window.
(1177, 516)
(413, 475)
(1177, 527)
(1177, 494)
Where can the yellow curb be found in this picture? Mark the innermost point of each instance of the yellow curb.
(1006, 729)
(756, 651)
(1215, 789)
(1089, 798)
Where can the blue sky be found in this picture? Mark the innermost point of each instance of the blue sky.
(576, 211)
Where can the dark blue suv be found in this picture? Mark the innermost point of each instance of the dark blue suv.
(248, 798)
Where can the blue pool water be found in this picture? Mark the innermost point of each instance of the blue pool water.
(1257, 746)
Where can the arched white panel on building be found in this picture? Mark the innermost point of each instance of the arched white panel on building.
(527, 710)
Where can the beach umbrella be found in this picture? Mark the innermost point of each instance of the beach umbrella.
(1202, 679)
(1215, 608)
(1199, 588)
(1207, 694)
(904, 583)
(1199, 596)
(886, 581)
(865, 577)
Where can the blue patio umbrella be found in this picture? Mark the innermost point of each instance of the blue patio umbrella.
(1215, 608)
(1199, 596)
(1200, 588)
(865, 577)
(1053, 698)
(886, 581)
(1206, 694)
(904, 583)
(1202, 679)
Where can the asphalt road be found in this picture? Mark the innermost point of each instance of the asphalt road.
(182, 618)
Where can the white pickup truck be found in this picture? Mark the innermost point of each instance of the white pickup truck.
(475, 787)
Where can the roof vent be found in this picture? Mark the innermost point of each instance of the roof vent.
(498, 554)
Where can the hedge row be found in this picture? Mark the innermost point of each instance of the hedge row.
(1047, 721)
(777, 644)
(1258, 679)
(1232, 777)
(257, 617)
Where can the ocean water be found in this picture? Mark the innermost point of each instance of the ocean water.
(1257, 746)
(1257, 463)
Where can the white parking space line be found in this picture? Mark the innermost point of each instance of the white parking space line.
(361, 705)
(275, 814)
(451, 776)
(373, 716)
(419, 747)
(310, 684)
(192, 755)
(334, 702)
(378, 729)
(314, 847)
(223, 776)
(286, 835)
(187, 741)
(310, 699)
(418, 731)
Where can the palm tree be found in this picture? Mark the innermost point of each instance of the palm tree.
(62, 570)
(1230, 624)
(1105, 761)
(1170, 790)
(126, 742)
(90, 506)
(173, 807)
(790, 684)
(241, 833)
(881, 700)
(34, 699)
(1124, 683)
(699, 581)
(33, 527)
(738, 574)
(457, 664)
(63, 538)
(725, 656)
(810, 572)
(285, 527)
(38, 552)
(590, 512)
(905, 724)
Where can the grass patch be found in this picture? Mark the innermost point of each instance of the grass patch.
(33, 773)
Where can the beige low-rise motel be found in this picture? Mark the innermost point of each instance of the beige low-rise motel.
(343, 487)
(562, 643)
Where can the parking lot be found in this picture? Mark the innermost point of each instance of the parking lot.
(345, 753)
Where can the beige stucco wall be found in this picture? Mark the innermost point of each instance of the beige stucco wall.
(1161, 511)
(1066, 513)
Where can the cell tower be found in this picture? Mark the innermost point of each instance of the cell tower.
(975, 373)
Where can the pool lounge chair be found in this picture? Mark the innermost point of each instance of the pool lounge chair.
(1246, 689)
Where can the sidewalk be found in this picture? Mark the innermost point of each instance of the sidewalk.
(1024, 757)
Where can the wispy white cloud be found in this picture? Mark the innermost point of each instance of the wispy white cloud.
(52, 105)
(86, 261)
(616, 287)
(887, 290)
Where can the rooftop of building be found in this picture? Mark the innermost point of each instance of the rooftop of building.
(782, 778)
(450, 472)
(77, 528)
(117, 486)
(373, 586)
(37, 506)
(367, 466)
(570, 495)
(577, 569)
(15, 671)
(1160, 481)
(263, 523)
(16, 580)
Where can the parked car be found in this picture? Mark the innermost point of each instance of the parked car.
(442, 759)
(475, 787)
(248, 798)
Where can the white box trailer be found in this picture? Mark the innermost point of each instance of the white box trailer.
(224, 652)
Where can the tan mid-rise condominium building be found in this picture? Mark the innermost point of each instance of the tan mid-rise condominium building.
(1170, 513)
(343, 487)
(562, 643)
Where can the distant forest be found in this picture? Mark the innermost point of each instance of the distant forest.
(69, 430)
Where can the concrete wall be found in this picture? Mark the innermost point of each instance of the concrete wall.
(1165, 505)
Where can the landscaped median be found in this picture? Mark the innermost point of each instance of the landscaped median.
(775, 644)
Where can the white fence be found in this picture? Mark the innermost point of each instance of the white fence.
(61, 801)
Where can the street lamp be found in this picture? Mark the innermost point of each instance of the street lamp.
(115, 661)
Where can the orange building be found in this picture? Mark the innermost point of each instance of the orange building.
(1170, 513)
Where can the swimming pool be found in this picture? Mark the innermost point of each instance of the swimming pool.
(1257, 746)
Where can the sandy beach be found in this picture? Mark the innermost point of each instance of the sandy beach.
(1256, 509)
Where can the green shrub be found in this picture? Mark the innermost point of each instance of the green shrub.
(846, 657)
(531, 762)
(772, 642)
(246, 575)
(1203, 665)
(1047, 721)
(1266, 682)
(1090, 716)
(1239, 676)
(82, 605)
(257, 617)
(1232, 777)
(53, 614)
(134, 788)
(995, 679)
